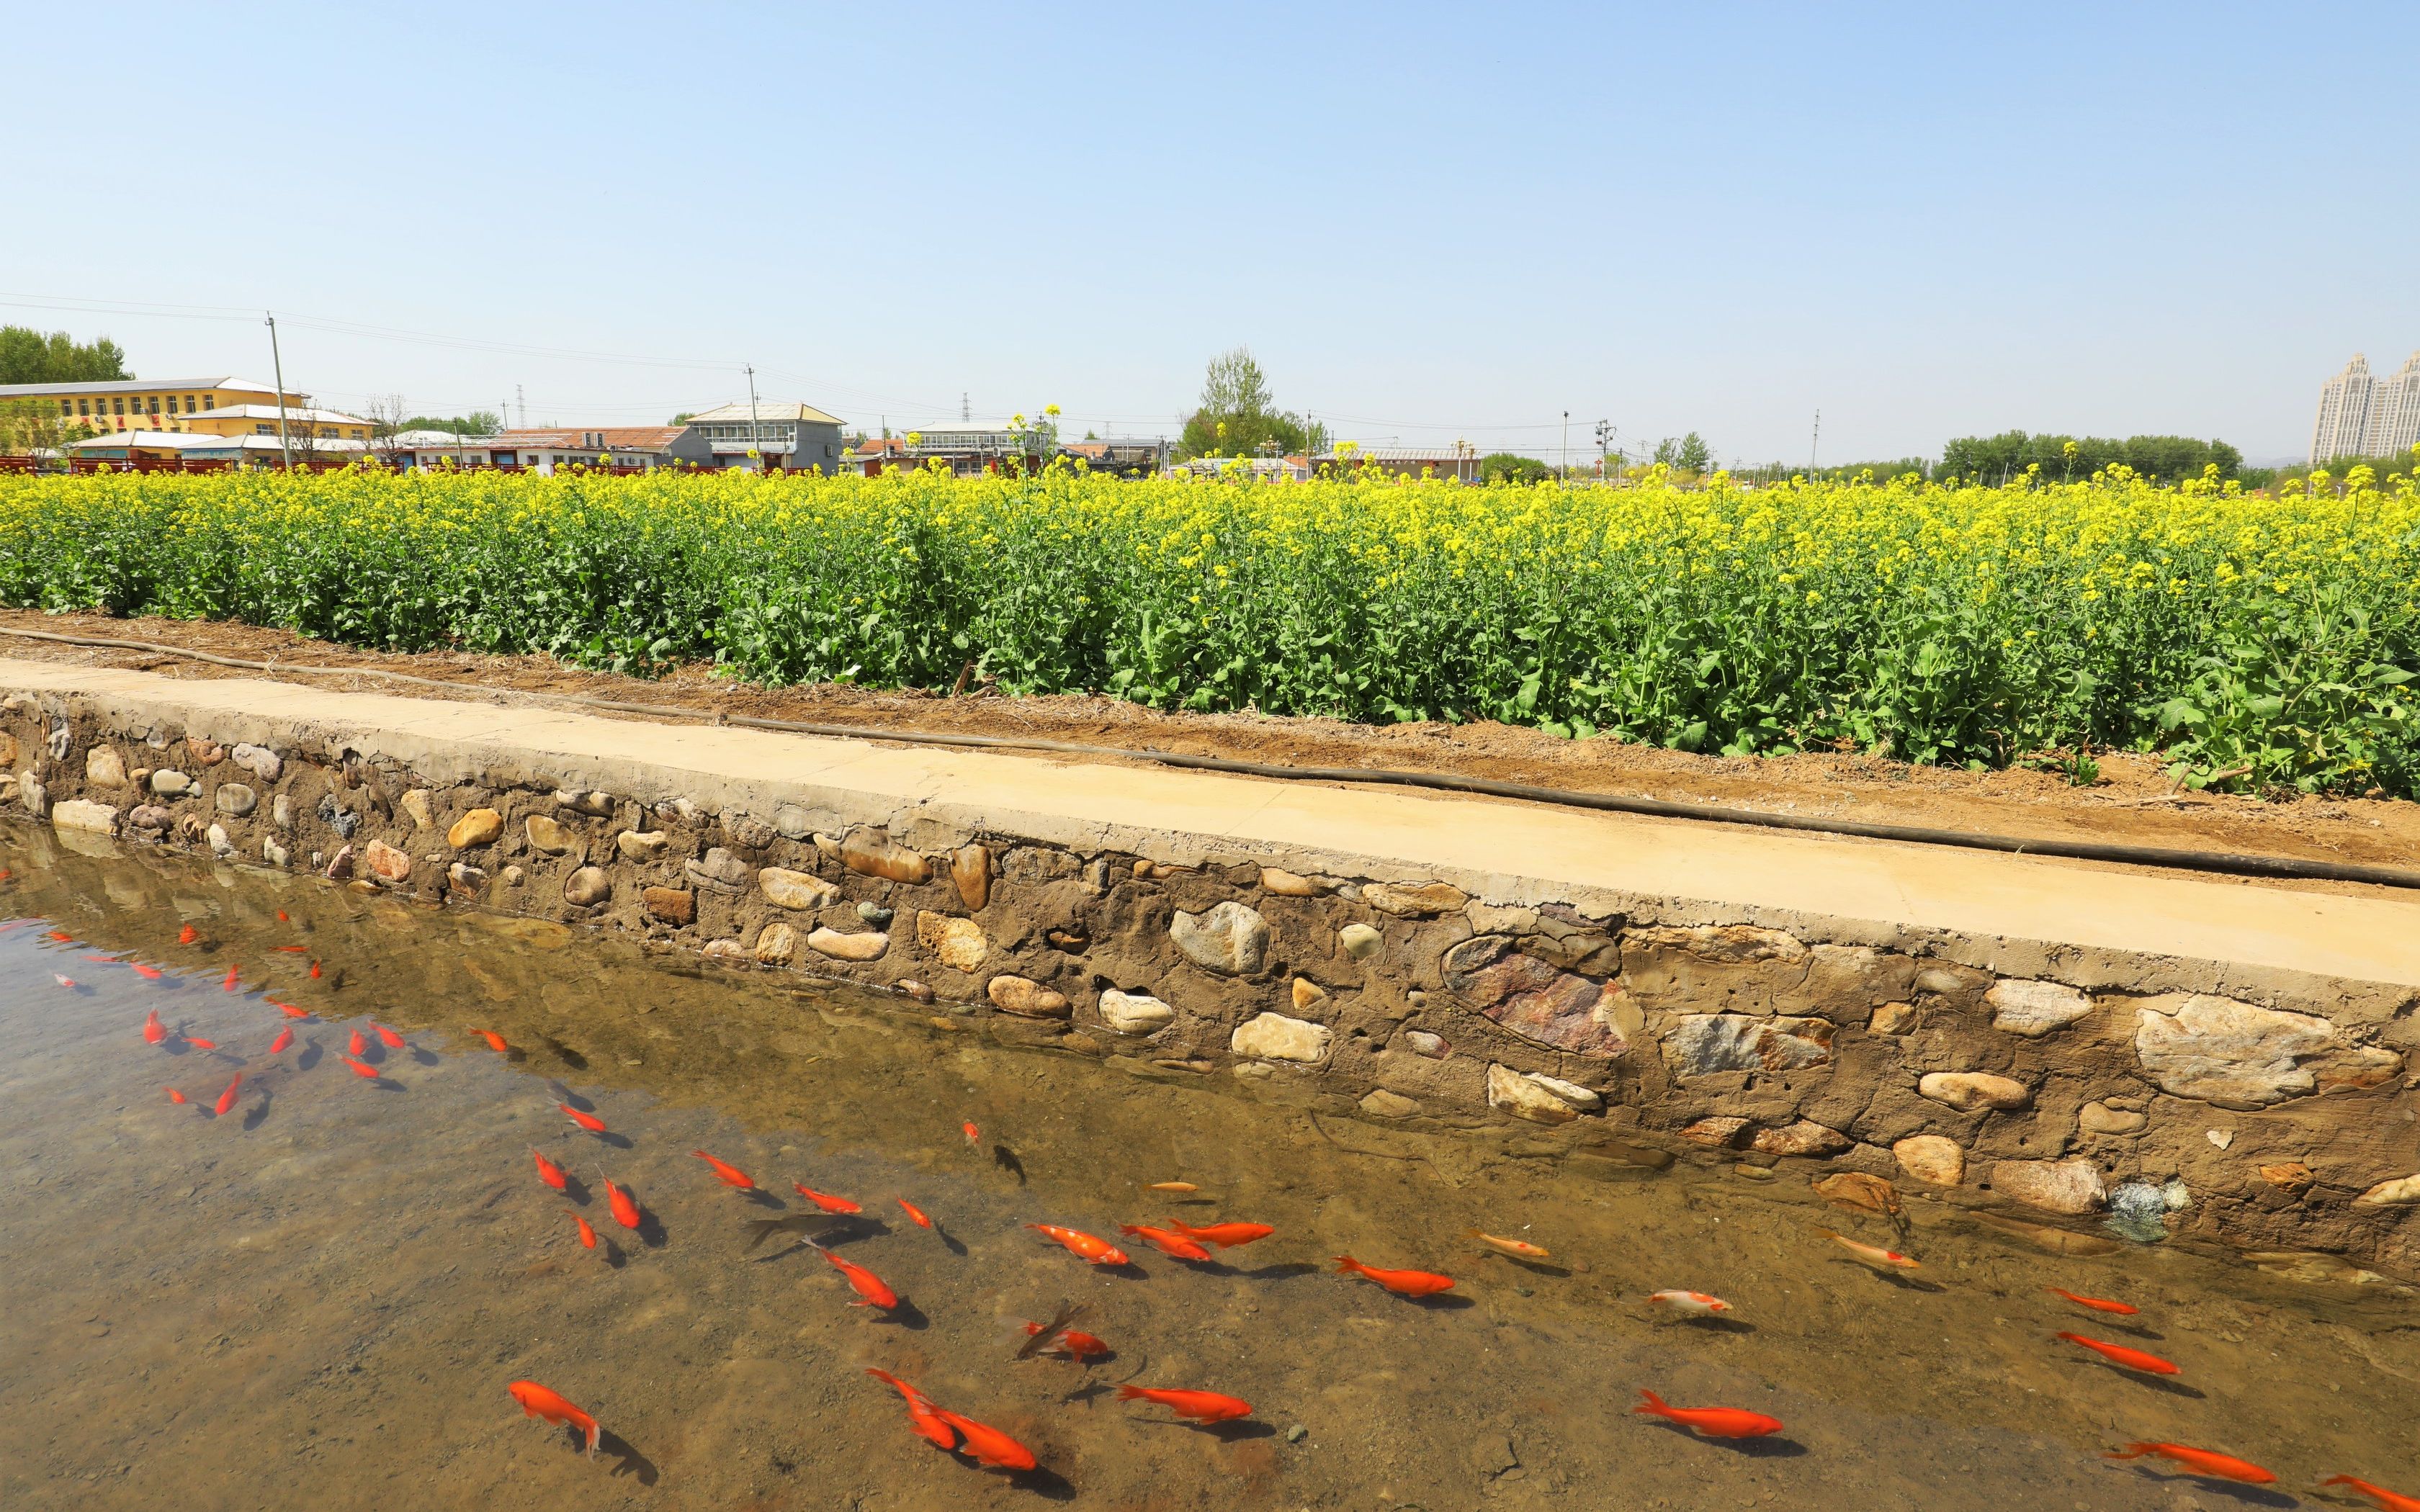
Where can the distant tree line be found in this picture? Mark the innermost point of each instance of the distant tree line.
(29, 356)
(1992, 458)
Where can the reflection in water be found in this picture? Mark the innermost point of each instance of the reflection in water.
(319, 1298)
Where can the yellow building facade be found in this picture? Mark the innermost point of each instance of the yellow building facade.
(209, 407)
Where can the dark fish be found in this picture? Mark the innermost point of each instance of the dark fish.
(1068, 1313)
(1006, 1160)
(808, 1227)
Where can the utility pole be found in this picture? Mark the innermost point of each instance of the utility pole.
(277, 369)
(523, 405)
(755, 446)
(1567, 449)
(1813, 444)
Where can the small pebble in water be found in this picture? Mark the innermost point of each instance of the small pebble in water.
(1298, 1433)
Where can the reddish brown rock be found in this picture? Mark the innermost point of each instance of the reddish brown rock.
(386, 863)
(1804, 1138)
(1719, 1132)
(870, 853)
(971, 870)
(1531, 999)
(674, 906)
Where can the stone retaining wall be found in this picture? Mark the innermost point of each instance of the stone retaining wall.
(2156, 1097)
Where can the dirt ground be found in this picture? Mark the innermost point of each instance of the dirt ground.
(2132, 802)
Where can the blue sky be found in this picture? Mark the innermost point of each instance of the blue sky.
(1432, 223)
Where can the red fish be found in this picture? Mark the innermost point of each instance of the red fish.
(587, 1235)
(146, 972)
(1201, 1406)
(2384, 1500)
(188, 934)
(388, 1037)
(356, 1045)
(1166, 1242)
(548, 1172)
(200, 1043)
(281, 916)
(175, 1096)
(1070, 1343)
(589, 1121)
(61, 935)
(2199, 1462)
(495, 1040)
(62, 979)
(227, 1098)
(1712, 1422)
(229, 983)
(974, 1135)
(361, 1068)
(871, 1292)
(2099, 1305)
(291, 1012)
(1402, 1283)
(285, 1038)
(1095, 1251)
(536, 1401)
(111, 961)
(826, 1201)
(293, 949)
(153, 1031)
(626, 1211)
(915, 1214)
(988, 1445)
(1873, 1255)
(2120, 1354)
(920, 1412)
(727, 1175)
(1226, 1236)
(314, 971)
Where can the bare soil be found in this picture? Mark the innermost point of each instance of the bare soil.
(2134, 802)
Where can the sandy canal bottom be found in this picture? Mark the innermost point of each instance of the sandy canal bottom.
(316, 1299)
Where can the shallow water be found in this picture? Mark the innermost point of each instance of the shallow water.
(317, 1299)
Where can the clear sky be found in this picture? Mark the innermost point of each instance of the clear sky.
(1428, 222)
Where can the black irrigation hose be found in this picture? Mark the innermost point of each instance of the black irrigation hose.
(2224, 862)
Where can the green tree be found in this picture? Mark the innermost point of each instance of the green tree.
(1992, 458)
(477, 423)
(1238, 415)
(28, 356)
(1686, 453)
(1511, 467)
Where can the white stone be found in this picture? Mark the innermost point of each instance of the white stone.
(274, 853)
(1276, 1037)
(221, 846)
(1424, 1043)
(260, 761)
(235, 798)
(1360, 941)
(1967, 1090)
(776, 944)
(170, 783)
(802, 890)
(2034, 1009)
(415, 803)
(2069, 1186)
(1026, 998)
(2220, 1137)
(2402, 1189)
(104, 767)
(840, 946)
(641, 844)
(1135, 1012)
(2197, 1045)
(1931, 1159)
(1230, 938)
(1572, 1093)
(1539, 1098)
(84, 814)
(547, 834)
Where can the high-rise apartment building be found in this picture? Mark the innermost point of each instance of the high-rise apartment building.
(2361, 415)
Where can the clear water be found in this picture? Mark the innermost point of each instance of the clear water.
(316, 1301)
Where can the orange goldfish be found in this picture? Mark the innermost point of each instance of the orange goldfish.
(537, 1401)
(229, 983)
(587, 1235)
(146, 972)
(589, 1121)
(1690, 1304)
(1712, 1422)
(495, 1040)
(626, 1211)
(227, 1099)
(2199, 1462)
(280, 916)
(285, 1038)
(1096, 1251)
(2384, 1500)
(548, 1172)
(974, 1135)
(826, 1201)
(915, 1214)
(388, 1037)
(2099, 1305)
(188, 934)
(870, 1289)
(314, 971)
(987, 1444)
(1402, 1283)
(175, 1096)
(1069, 1342)
(1510, 1246)
(153, 1031)
(1166, 1242)
(1171, 1186)
(200, 1043)
(361, 1068)
(291, 1012)
(293, 949)
(727, 1175)
(357, 1046)
(1873, 1255)
(2119, 1354)
(1204, 1407)
(1226, 1236)
(920, 1412)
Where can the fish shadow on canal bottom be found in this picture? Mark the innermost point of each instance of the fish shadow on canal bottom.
(258, 1113)
(575, 1189)
(2253, 1495)
(1042, 1481)
(423, 1056)
(627, 1460)
(904, 1313)
(1892, 1278)
(1440, 1302)
(1279, 1271)
(2174, 1388)
(1769, 1446)
(312, 1055)
(1714, 1325)
(1006, 1160)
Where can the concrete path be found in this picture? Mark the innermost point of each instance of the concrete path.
(1517, 852)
